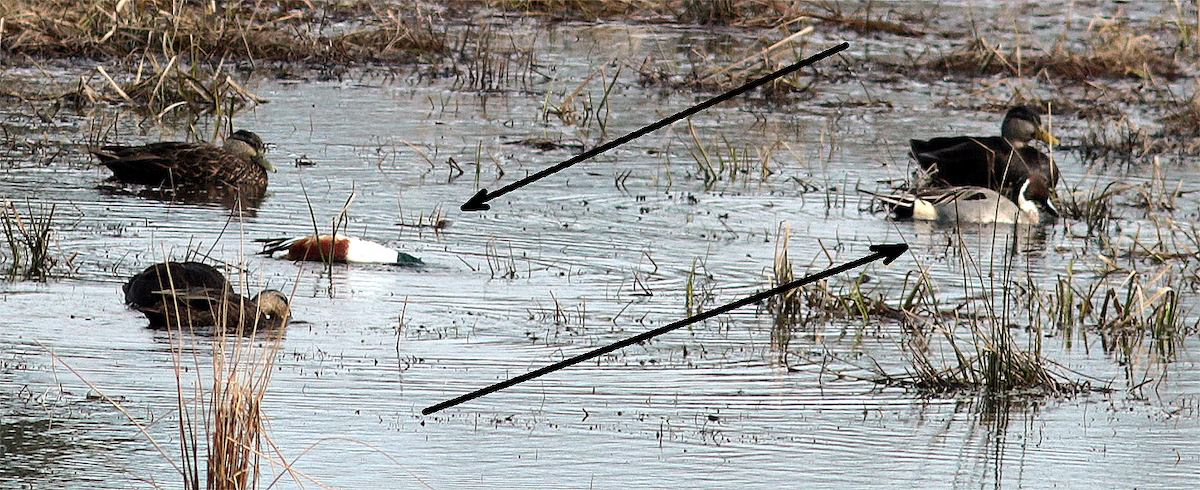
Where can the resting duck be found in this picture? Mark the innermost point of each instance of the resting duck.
(974, 204)
(335, 248)
(190, 165)
(999, 163)
(196, 296)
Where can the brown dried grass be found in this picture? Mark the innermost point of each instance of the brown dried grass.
(289, 31)
(1114, 50)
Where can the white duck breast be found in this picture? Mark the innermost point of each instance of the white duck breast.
(365, 252)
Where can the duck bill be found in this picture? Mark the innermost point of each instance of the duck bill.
(1044, 135)
(1048, 208)
(262, 162)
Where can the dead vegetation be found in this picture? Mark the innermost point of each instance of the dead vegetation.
(291, 31)
(1113, 50)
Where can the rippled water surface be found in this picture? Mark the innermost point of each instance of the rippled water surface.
(599, 252)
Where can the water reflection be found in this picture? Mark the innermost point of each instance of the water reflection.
(242, 201)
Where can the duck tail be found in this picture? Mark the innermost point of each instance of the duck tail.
(891, 199)
(899, 204)
(272, 245)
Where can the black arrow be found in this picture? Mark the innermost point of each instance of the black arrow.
(886, 252)
(478, 202)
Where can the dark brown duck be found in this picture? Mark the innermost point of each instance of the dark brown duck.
(196, 296)
(1000, 163)
(240, 162)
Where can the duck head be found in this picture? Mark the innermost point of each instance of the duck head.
(1022, 125)
(1034, 198)
(246, 144)
(273, 307)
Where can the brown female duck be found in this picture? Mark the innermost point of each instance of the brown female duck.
(196, 296)
(1000, 163)
(240, 162)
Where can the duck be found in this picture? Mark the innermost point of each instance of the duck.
(974, 204)
(173, 164)
(197, 296)
(1000, 163)
(335, 248)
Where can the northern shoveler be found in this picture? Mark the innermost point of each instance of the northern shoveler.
(339, 248)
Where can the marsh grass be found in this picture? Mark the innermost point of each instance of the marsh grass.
(949, 350)
(29, 238)
(1093, 207)
(698, 291)
(1117, 138)
(1136, 315)
(486, 62)
(819, 301)
(1113, 49)
(165, 57)
(581, 109)
(725, 161)
(231, 407)
(316, 33)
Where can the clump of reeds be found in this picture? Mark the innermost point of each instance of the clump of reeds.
(230, 409)
(987, 358)
(1126, 314)
(272, 31)
(818, 301)
(785, 307)
(982, 364)
(724, 162)
(1113, 50)
(1091, 207)
(1183, 124)
(487, 63)
(1117, 138)
(698, 290)
(577, 9)
(235, 425)
(187, 92)
(28, 239)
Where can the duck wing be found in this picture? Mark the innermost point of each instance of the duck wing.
(178, 164)
(963, 160)
(143, 289)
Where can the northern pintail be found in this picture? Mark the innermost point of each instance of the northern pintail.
(973, 204)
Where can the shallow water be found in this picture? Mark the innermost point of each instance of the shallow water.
(594, 254)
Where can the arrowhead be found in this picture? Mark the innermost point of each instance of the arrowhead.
(890, 252)
(478, 202)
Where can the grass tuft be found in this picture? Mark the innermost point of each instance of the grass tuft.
(28, 238)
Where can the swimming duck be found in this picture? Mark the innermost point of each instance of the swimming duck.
(240, 162)
(337, 248)
(196, 296)
(999, 163)
(974, 204)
